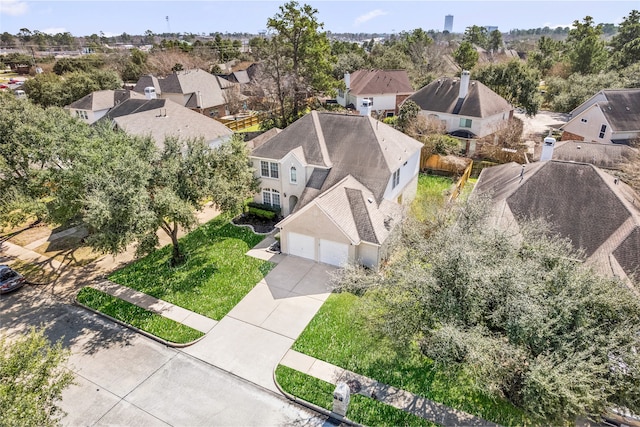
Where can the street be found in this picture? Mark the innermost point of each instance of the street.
(123, 378)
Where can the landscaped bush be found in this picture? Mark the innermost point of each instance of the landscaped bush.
(264, 207)
(262, 213)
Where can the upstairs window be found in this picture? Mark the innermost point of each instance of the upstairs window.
(293, 175)
(465, 123)
(268, 169)
(603, 129)
(395, 179)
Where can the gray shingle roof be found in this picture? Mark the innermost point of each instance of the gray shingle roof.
(372, 82)
(581, 202)
(103, 99)
(622, 109)
(160, 118)
(361, 215)
(442, 96)
(355, 145)
(607, 156)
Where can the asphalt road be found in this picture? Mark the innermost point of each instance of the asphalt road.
(125, 379)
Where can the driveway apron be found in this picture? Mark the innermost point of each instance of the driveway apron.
(252, 339)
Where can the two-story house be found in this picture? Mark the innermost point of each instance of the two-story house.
(466, 107)
(609, 116)
(93, 107)
(385, 89)
(340, 181)
(195, 89)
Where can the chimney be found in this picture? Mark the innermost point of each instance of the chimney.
(365, 107)
(347, 80)
(198, 100)
(150, 92)
(547, 148)
(464, 84)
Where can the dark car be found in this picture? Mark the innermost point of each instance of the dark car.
(10, 280)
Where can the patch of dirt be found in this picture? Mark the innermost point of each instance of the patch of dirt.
(260, 225)
(31, 234)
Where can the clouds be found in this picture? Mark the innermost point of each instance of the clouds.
(369, 16)
(13, 7)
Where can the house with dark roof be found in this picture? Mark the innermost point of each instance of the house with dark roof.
(163, 118)
(467, 108)
(384, 89)
(96, 105)
(195, 89)
(609, 116)
(598, 213)
(340, 181)
(604, 156)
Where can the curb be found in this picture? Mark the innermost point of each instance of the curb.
(252, 229)
(310, 405)
(138, 330)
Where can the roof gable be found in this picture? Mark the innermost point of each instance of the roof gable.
(442, 96)
(373, 82)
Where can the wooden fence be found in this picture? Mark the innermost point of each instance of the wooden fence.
(461, 182)
(237, 124)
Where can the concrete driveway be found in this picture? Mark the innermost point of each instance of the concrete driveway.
(252, 339)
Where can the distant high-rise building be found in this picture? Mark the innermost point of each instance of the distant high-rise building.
(491, 28)
(448, 23)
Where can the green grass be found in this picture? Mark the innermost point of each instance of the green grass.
(430, 195)
(362, 409)
(215, 277)
(133, 315)
(337, 335)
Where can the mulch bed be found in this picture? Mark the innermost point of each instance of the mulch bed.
(260, 225)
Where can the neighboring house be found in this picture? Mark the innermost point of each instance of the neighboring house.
(96, 105)
(467, 108)
(195, 89)
(604, 156)
(610, 116)
(385, 89)
(161, 118)
(340, 181)
(596, 211)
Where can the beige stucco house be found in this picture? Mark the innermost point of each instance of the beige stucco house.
(385, 90)
(467, 108)
(341, 182)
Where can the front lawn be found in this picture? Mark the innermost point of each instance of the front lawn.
(337, 335)
(215, 277)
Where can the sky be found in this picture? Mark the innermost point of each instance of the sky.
(86, 17)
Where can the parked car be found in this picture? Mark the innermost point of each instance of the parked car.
(10, 280)
(4, 86)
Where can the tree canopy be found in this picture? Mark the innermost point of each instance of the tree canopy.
(32, 378)
(517, 312)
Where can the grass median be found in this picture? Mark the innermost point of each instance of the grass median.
(215, 277)
(131, 314)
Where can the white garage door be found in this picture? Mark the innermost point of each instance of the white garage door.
(333, 253)
(301, 245)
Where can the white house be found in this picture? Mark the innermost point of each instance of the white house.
(340, 181)
(609, 116)
(385, 89)
(466, 107)
(96, 105)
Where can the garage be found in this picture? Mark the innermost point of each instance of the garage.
(301, 245)
(334, 253)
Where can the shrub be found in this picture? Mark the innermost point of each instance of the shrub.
(262, 213)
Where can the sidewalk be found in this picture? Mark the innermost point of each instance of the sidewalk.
(401, 399)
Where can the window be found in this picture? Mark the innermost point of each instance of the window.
(340, 93)
(268, 169)
(82, 114)
(395, 179)
(271, 197)
(465, 123)
(293, 175)
(370, 99)
(603, 129)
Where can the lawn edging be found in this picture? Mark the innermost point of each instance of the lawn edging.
(310, 405)
(136, 329)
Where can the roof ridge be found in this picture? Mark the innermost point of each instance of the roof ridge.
(321, 140)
